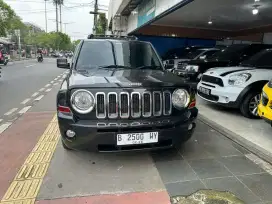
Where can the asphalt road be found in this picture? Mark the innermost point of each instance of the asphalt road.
(21, 81)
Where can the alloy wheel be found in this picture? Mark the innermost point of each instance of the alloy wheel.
(253, 104)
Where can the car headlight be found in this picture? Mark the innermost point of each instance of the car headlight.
(239, 79)
(180, 98)
(82, 101)
(192, 68)
(270, 84)
(264, 95)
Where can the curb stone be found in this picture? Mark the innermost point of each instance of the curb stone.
(250, 146)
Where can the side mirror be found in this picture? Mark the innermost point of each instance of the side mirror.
(63, 63)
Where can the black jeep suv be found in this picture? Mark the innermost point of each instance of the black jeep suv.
(118, 97)
(232, 55)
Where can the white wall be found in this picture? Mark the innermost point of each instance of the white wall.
(113, 7)
(267, 38)
(132, 22)
(163, 5)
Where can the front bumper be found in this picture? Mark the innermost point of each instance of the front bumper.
(225, 96)
(102, 135)
(265, 112)
(193, 76)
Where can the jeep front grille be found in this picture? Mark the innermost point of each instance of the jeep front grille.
(134, 105)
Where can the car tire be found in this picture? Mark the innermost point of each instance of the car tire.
(245, 105)
(64, 146)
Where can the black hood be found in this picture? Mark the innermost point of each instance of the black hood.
(209, 62)
(122, 78)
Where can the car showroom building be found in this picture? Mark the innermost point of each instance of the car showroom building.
(168, 24)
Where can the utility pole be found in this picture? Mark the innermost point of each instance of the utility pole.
(45, 13)
(95, 16)
(57, 17)
(60, 19)
(18, 33)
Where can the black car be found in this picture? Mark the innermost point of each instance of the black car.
(115, 99)
(232, 55)
(172, 56)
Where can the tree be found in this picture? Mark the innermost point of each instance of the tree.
(7, 16)
(101, 25)
(54, 40)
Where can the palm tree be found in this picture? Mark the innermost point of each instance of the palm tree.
(58, 3)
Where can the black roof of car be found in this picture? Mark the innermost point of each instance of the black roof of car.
(112, 37)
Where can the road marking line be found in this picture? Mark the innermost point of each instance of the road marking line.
(4, 126)
(26, 184)
(51, 82)
(56, 84)
(42, 89)
(11, 111)
(25, 101)
(47, 85)
(39, 98)
(25, 109)
(1, 120)
(35, 94)
(31, 65)
(48, 90)
(60, 80)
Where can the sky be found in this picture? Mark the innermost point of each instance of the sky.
(74, 12)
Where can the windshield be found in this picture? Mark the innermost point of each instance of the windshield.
(229, 53)
(111, 54)
(261, 59)
(193, 54)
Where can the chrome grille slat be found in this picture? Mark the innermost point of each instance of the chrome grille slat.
(155, 111)
(135, 104)
(167, 110)
(145, 112)
(112, 105)
(101, 105)
(124, 104)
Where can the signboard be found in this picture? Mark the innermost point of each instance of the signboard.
(146, 11)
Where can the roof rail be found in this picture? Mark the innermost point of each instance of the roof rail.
(92, 36)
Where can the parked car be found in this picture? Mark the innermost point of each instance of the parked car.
(174, 56)
(265, 106)
(200, 54)
(111, 103)
(232, 55)
(240, 86)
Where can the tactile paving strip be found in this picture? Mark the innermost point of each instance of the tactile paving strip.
(27, 182)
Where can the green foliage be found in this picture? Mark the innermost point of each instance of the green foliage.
(8, 18)
(54, 40)
(101, 25)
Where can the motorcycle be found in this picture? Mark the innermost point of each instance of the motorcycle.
(40, 58)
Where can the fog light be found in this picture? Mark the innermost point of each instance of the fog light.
(190, 126)
(70, 133)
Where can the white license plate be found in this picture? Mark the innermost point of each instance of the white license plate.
(137, 138)
(204, 90)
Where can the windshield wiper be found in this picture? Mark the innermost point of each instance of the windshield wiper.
(148, 67)
(115, 66)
